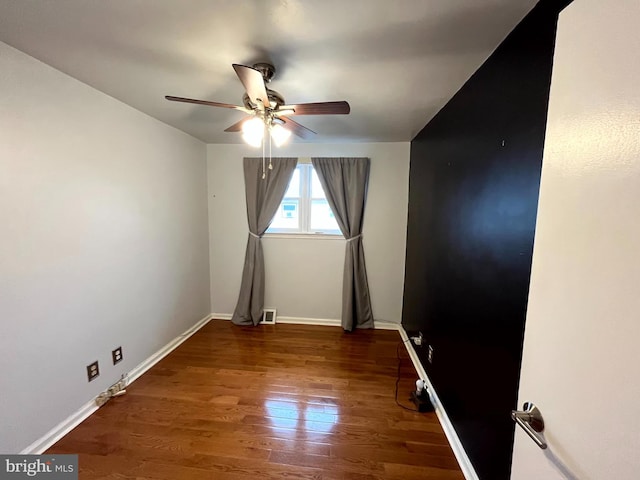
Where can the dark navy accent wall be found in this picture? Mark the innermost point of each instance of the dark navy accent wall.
(473, 193)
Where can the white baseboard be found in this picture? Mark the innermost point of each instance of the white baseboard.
(323, 322)
(326, 322)
(456, 445)
(76, 418)
(60, 430)
(382, 325)
(137, 372)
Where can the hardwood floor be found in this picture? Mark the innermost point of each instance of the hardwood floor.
(270, 402)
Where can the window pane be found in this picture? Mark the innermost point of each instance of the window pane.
(288, 214)
(294, 185)
(316, 187)
(322, 218)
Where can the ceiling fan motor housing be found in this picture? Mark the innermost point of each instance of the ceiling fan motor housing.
(266, 69)
(274, 97)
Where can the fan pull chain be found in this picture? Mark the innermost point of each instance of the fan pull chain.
(270, 165)
(264, 174)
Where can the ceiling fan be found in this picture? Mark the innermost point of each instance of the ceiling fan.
(267, 108)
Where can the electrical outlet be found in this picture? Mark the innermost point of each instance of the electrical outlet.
(430, 354)
(116, 355)
(93, 371)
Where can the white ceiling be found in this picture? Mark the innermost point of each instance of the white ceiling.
(397, 62)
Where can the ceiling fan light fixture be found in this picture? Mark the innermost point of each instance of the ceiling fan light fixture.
(253, 131)
(279, 134)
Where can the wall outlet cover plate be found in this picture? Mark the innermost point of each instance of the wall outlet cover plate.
(116, 355)
(93, 371)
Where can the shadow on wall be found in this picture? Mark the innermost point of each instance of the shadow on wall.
(560, 466)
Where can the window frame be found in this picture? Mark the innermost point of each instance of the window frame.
(304, 210)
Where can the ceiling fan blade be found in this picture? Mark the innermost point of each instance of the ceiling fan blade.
(237, 127)
(319, 108)
(299, 130)
(205, 102)
(253, 84)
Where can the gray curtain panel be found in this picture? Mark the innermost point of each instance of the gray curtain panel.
(345, 182)
(263, 198)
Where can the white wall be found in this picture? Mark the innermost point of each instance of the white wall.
(103, 242)
(304, 276)
(581, 355)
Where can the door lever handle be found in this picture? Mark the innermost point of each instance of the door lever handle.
(530, 419)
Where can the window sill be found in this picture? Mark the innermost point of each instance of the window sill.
(304, 236)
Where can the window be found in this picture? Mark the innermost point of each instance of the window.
(304, 208)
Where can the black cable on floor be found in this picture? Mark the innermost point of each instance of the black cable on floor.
(398, 377)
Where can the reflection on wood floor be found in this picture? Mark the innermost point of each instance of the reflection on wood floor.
(270, 402)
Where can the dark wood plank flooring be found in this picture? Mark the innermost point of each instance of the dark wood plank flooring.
(270, 402)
